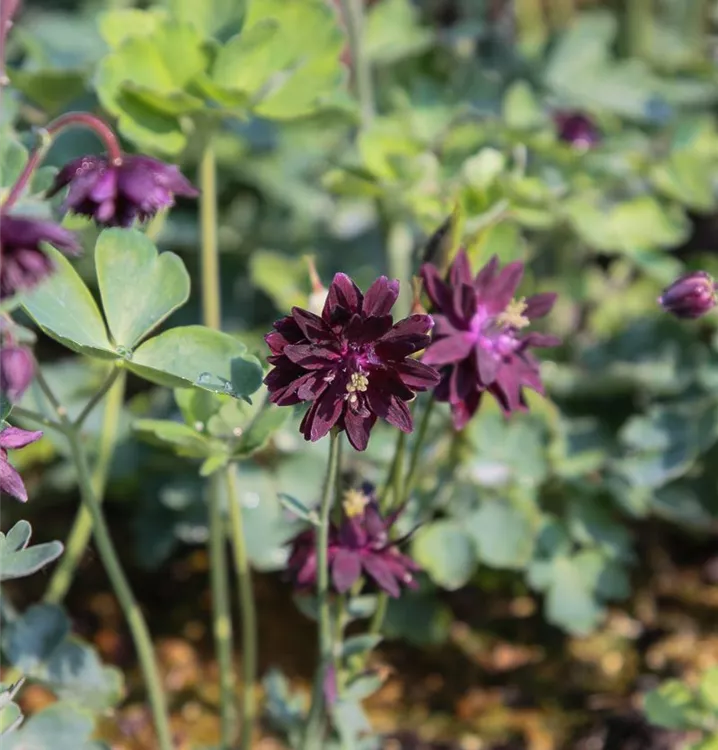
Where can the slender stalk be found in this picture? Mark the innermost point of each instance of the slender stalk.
(221, 617)
(248, 611)
(48, 134)
(19, 411)
(313, 739)
(82, 526)
(110, 560)
(393, 480)
(353, 12)
(219, 580)
(104, 388)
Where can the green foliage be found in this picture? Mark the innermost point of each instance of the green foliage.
(61, 726)
(17, 559)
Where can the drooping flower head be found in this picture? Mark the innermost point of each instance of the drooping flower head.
(360, 546)
(10, 481)
(351, 363)
(477, 340)
(690, 296)
(117, 194)
(23, 263)
(17, 367)
(577, 129)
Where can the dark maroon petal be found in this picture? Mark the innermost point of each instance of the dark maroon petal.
(448, 350)
(358, 428)
(346, 569)
(406, 337)
(391, 409)
(313, 384)
(17, 369)
(485, 277)
(540, 305)
(345, 294)
(312, 356)
(487, 365)
(437, 289)
(465, 302)
(24, 233)
(11, 482)
(463, 411)
(417, 375)
(74, 169)
(308, 572)
(324, 412)
(444, 327)
(380, 297)
(462, 382)
(541, 340)
(14, 437)
(365, 330)
(504, 287)
(311, 325)
(379, 571)
(460, 271)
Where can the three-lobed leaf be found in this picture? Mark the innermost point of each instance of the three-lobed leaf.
(17, 560)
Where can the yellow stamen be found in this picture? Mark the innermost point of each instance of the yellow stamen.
(358, 382)
(354, 503)
(513, 315)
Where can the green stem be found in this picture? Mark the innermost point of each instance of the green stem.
(82, 526)
(221, 617)
(313, 739)
(111, 562)
(211, 300)
(353, 12)
(393, 480)
(104, 388)
(248, 611)
(19, 411)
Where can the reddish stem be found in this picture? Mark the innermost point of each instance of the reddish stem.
(83, 119)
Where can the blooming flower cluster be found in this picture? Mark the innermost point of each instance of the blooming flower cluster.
(352, 363)
(360, 546)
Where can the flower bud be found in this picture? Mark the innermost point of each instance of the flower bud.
(319, 292)
(576, 129)
(690, 296)
(17, 370)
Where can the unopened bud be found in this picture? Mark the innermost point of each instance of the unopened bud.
(17, 370)
(690, 296)
(318, 295)
(417, 285)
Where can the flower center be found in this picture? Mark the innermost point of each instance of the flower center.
(354, 503)
(358, 383)
(513, 316)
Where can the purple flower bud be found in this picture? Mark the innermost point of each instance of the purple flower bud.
(690, 296)
(23, 263)
(577, 129)
(17, 369)
(117, 194)
(10, 481)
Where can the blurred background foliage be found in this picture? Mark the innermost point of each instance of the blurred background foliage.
(562, 513)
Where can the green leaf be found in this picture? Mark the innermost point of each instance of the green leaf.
(270, 419)
(139, 287)
(297, 508)
(672, 706)
(687, 178)
(393, 32)
(361, 607)
(503, 239)
(282, 278)
(10, 718)
(185, 440)
(570, 602)
(521, 108)
(286, 57)
(65, 310)
(504, 534)
(210, 16)
(420, 618)
(446, 552)
(359, 644)
(198, 356)
(116, 26)
(708, 689)
(51, 89)
(32, 638)
(359, 688)
(17, 560)
(60, 726)
(213, 463)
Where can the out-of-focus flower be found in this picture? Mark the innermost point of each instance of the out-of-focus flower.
(23, 263)
(690, 296)
(117, 194)
(17, 368)
(351, 363)
(577, 129)
(477, 341)
(360, 546)
(10, 481)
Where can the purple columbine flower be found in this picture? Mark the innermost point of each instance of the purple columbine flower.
(690, 296)
(351, 363)
(577, 129)
(117, 194)
(23, 263)
(477, 341)
(10, 481)
(360, 546)
(17, 369)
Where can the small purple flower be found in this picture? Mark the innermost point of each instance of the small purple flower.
(477, 342)
(352, 363)
(117, 194)
(23, 264)
(360, 546)
(10, 481)
(577, 129)
(17, 369)
(690, 296)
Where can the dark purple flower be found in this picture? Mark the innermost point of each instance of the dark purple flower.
(690, 296)
(360, 546)
(115, 195)
(17, 369)
(22, 261)
(476, 339)
(577, 129)
(10, 481)
(352, 363)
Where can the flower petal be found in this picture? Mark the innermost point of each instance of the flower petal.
(503, 288)
(380, 297)
(540, 305)
(344, 297)
(312, 356)
(358, 428)
(417, 375)
(11, 482)
(379, 571)
(14, 437)
(324, 413)
(391, 409)
(437, 289)
(460, 271)
(448, 350)
(312, 326)
(405, 337)
(346, 569)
